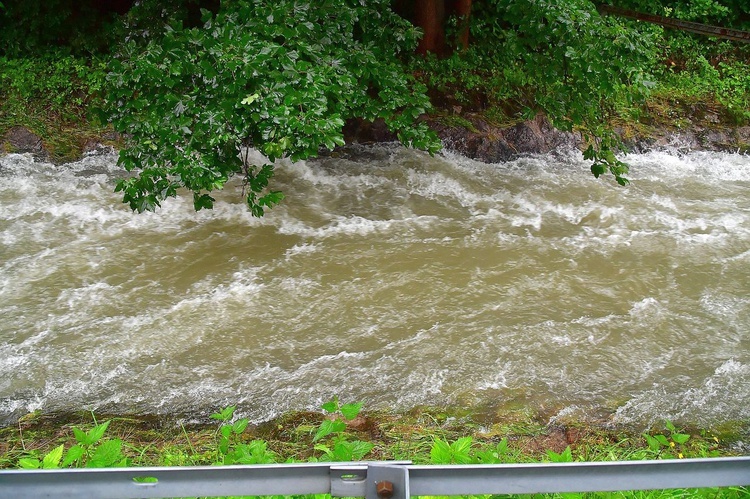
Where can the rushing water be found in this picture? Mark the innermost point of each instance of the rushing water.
(388, 277)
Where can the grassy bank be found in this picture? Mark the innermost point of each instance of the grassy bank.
(55, 96)
(342, 433)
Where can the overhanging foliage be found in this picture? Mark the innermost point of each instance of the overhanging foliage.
(281, 76)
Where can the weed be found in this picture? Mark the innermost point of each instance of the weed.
(340, 447)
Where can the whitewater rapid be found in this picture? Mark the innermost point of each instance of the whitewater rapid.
(389, 277)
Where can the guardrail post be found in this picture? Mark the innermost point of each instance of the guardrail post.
(387, 482)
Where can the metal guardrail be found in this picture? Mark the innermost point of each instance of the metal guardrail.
(373, 480)
(735, 35)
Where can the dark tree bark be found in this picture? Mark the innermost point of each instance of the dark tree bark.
(462, 10)
(430, 16)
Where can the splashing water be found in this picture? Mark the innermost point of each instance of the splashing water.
(386, 276)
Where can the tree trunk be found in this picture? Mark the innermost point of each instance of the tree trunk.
(462, 10)
(430, 15)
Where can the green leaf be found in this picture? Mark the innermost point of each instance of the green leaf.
(52, 458)
(440, 453)
(80, 436)
(224, 445)
(343, 451)
(74, 454)
(250, 99)
(462, 446)
(226, 430)
(240, 425)
(29, 463)
(598, 169)
(271, 199)
(225, 414)
(680, 438)
(608, 156)
(96, 433)
(106, 454)
(327, 427)
(662, 440)
(565, 457)
(351, 411)
(653, 443)
(502, 446)
(331, 406)
(324, 449)
(360, 449)
(201, 201)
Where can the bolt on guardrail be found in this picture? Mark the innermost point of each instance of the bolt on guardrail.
(374, 480)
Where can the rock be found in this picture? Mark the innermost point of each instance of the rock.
(359, 131)
(20, 139)
(743, 136)
(491, 144)
(96, 148)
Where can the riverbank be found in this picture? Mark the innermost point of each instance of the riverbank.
(474, 135)
(518, 436)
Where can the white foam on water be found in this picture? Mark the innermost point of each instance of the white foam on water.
(299, 249)
(712, 167)
(388, 278)
(645, 306)
(496, 381)
(89, 295)
(354, 226)
(720, 397)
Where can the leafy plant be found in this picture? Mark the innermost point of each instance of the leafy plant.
(458, 452)
(557, 58)
(93, 451)
(90, 451)
(340, 447)
(565, 456)
(33, 27)
(50, 460)
(500, 453)
(57, 82)
(230, 449)
(604, 159)
(665, 446)
(451, 447)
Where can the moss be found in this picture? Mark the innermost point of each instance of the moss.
(455, 120)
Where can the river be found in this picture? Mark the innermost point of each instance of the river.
(389, 277)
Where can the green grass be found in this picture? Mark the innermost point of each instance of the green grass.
(54, 96)
(422, 436)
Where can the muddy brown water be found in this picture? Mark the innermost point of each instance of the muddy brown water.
(389, 277)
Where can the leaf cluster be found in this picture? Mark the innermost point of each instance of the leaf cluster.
(90, 451)
(669, 446)
(561, 59)
(77, 27)
(279, 76)
(728, 13)
(340, 447)
(58, 82)
(231, 449)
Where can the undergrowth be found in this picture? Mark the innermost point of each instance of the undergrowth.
(342, 433)
(55, 96)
